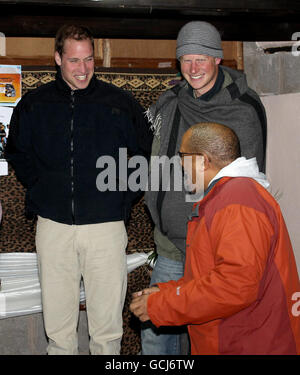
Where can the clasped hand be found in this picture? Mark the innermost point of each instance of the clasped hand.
(139, 303)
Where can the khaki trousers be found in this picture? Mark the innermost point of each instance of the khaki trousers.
(97, 253)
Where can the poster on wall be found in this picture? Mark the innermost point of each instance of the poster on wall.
(10, 84)
(5, 116)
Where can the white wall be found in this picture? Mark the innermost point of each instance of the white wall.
(276, 73)
(283, 159)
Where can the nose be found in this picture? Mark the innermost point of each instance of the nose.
(82, 66)
(193, 66)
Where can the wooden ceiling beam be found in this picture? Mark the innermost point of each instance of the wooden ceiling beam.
(151, 5)
(246, 20)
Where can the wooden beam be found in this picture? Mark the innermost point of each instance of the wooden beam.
(263, 20)
(231, 29)
(115, 62)
(106, 53)
(151, 5)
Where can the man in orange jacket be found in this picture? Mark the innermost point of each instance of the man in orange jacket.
(240, 284)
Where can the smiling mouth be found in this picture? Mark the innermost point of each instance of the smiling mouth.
(198, 77)
(81, 78)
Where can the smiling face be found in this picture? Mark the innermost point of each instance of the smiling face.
(76, 63)
(200, 71)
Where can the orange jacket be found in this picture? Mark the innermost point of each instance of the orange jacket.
(238, 292)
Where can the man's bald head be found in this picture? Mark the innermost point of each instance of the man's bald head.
(217, 141)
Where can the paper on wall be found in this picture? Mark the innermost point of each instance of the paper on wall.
(5, 116)
(10, 84)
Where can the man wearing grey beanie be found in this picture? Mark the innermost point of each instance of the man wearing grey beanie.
(209, 92)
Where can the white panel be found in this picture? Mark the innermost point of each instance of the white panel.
(283, 159)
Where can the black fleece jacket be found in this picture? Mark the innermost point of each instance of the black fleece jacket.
(55, 139)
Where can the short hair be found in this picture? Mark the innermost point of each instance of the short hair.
(218, 141)
(71, 32)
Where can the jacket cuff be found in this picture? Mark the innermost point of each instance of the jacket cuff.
(151, 307)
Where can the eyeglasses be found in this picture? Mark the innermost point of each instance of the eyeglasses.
(182, 154)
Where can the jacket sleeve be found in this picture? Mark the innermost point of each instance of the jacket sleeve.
(139, 141)
(141, 128)
(258, 119)
(240, 239)
(18, 147)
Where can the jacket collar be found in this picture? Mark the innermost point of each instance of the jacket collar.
(213, 91)
(242, 167)
(66, 89)
(195, 210)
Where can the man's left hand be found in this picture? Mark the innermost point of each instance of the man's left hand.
(139, 307)
(139, 303)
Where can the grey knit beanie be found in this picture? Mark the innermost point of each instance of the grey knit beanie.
(199, 38)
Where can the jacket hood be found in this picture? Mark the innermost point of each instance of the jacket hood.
(242, 167)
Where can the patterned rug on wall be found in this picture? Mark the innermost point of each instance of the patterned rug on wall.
(17, 233)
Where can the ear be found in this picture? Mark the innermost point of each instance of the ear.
(218, 60)
(57, 58)
(206, 162)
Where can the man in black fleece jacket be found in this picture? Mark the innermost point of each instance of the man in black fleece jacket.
(57, 134)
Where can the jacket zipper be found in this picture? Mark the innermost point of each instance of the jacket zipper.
(72, 157)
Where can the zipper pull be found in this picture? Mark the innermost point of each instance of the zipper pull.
(72, 99)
